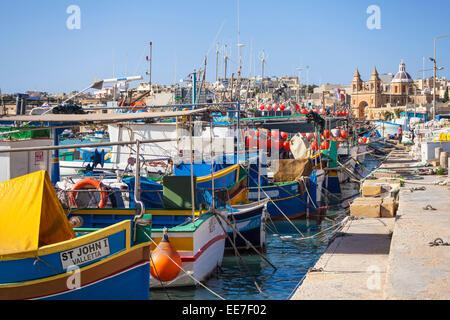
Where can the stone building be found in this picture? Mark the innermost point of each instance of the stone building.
(370, 100)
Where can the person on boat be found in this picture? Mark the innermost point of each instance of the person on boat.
(400, 134)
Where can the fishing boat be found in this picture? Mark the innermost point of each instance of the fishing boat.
(195, 234)
(246, 226)
(386, 129)
(244, 219)
(75, 162)
(200, 244)
(43, 257)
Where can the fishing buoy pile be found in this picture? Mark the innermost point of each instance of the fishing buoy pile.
(273, 107)
(254, 138)
(325, 138)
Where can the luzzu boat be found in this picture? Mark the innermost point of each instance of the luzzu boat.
(42, 257)
(291, 199)
(231, 199)
(286, 199)
(250, 221)
(199, 244)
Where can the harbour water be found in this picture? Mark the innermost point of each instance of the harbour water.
(293, 258)
(235, 279)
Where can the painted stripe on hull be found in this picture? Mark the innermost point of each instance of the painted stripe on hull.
(129, 284)
(203, 249)
(89, 274)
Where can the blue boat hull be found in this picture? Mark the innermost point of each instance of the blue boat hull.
(249, 225)
(288, 199)
(126, 285)
(97, 266)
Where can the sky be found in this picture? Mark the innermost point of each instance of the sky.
(329, 38)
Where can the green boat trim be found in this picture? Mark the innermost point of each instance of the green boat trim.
(188, 227)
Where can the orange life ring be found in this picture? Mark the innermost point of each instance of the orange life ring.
(89, 182)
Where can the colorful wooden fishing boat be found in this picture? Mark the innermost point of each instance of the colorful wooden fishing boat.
(250, 221)
(199, 244)
(231, 199)
(42, 257)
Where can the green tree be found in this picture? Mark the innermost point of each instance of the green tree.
(311, 88)
(388, 115)
(446, 96)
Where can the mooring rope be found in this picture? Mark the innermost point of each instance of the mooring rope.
(278, 186)
(243, 238)
(236, 251)
(273, 202)
(185, 272)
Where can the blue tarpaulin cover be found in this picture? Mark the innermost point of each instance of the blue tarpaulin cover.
(151, 193)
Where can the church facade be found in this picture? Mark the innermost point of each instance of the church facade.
(370, 100)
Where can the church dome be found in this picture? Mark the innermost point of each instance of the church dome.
(402, 75)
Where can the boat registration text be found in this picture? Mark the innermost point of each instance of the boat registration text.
(85, 253)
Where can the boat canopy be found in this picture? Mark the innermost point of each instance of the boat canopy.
(31, 215)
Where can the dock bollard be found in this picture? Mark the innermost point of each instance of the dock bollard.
(443, 160)
(437, 153)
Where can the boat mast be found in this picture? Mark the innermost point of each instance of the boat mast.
(149, 59)
(262, 69)
(225, 58)
(239, 44)
(217, 62)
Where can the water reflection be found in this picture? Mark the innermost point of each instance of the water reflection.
(292, 258)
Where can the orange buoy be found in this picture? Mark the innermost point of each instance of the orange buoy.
(344, 134)
(325, 145)
(314, 145)
(269, 143)
(165, 262)
(89, 182)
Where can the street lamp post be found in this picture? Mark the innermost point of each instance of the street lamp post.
(415, 87)
(434, 76)
(298, 84)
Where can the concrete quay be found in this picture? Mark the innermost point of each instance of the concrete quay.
(378, 258)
